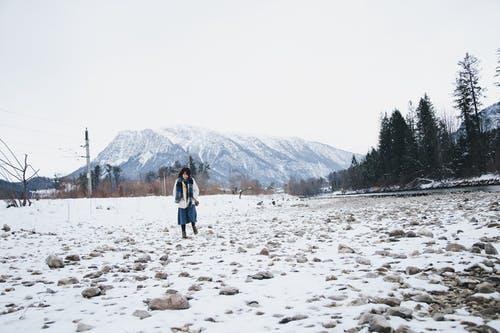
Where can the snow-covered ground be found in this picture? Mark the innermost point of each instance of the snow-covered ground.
(403, 273)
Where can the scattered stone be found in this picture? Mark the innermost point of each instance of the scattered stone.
(169, 302)
(91, 292)
(161, 275)
(423, 298)
(400, 312)
(485, 288)
(363, 261)
(228, 291)
(54, 261)
(286, 320)
(67, 281)
(141, 314)
(264, 252)
(412, 270)
(262, 276)
(396, 233)
(81, 327)
(438, 317)
(426, 233)
(411, 234)
(72, 257)
(329, 324)
(490, 249)
(376, 322)
(145, 258)
(345, 249)
(454, 247)
(6, 228)
(301, 259)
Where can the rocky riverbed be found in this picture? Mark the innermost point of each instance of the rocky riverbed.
(357, 264)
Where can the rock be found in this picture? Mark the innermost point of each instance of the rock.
(301, 259)
(377, 323)
(363, 261)
(141, 314)
(404, 329)
(396, 233)
(228, 291)
(454, 247)
(81, 327)
(161, 275)
(423, 298)
(262, 276)
(194, 287)
(54, 261)
(390, 301)
(344, 249)
(475, 249)
(426, 233)
(67, 281)
(145, 258)
(331, 278)
(485, 288)
(91, 292)
(6, 228)
(205, 278)
(72, 257)
(412, 270)
(241, 250)
(490, 249)
(264, 252)
(286, 320)
(438, 317)
(411, 234)
(164, 257)
(169, 302)
(139, 266)
(329, 324)
(402, 312)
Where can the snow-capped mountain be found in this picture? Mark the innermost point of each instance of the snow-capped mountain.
(268, 159)
(489, 117)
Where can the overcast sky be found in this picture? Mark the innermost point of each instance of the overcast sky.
(320, 70)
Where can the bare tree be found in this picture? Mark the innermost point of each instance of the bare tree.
(14, 171)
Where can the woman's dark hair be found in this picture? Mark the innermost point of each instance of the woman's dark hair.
(185, 170)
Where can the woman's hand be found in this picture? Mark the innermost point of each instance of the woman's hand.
(196, 202)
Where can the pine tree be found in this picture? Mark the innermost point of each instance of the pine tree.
(96, 176)
(192, 166)
(402, 152)
(467, 100)
(384, 144)
(427, 137)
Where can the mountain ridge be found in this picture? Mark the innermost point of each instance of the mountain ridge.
(270, 159)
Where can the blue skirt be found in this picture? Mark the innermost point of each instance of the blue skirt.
(186, 215)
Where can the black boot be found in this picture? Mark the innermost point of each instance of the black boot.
(183, 227)
(195, 230)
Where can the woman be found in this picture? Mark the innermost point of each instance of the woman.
(186, 194)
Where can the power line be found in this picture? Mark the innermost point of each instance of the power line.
(53, 133)
(4, 110)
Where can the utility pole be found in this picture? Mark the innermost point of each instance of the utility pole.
(89, 173)
(164, 185)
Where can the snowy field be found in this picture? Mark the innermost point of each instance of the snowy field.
(321, 265)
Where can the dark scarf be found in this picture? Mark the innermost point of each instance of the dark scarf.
(178, 189)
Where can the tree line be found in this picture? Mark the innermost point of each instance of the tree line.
(423, 145)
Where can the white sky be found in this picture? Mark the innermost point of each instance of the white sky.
(321, 70)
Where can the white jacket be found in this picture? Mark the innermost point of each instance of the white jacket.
(196, 194)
